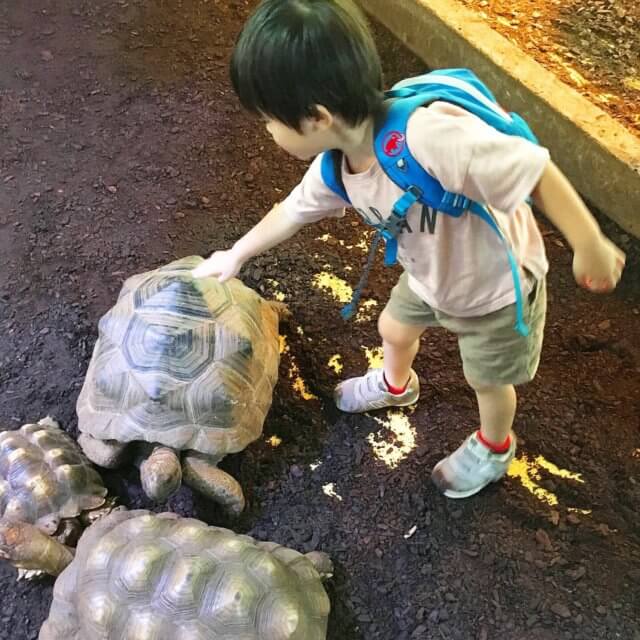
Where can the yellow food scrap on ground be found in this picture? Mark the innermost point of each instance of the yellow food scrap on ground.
(330, 490)
(337, 287)
(341, 291)
(299, 385)
(556, 471)
(335, 364)
(274, 441)
(327, 236)
(277, 294)
(374, 357)
(395, 441)
(363, 244)
(528, 472)
(364, 310)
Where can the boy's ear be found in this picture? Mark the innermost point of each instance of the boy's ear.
(322, 119)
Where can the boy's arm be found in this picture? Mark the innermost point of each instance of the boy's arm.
(597, 262)
(274, 228)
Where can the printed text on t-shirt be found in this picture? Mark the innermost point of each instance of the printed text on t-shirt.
(428, 219)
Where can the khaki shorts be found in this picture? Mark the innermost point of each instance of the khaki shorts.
(492, 352)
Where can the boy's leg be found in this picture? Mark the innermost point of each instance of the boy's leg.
(485, 455)
(400, 344)
(396, 385)
(495, 358)
(497, 407)
(401, 324)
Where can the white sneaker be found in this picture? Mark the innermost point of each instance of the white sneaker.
(471, 467)
(370, 392)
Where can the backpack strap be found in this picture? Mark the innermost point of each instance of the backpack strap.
(458, 86)
(520, 326)
(405, 171)
(331, 171)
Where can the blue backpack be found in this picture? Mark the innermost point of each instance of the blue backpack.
(457, 86)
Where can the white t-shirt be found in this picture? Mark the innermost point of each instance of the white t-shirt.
(456, 265)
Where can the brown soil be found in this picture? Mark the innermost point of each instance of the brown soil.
(593, 45)
(122, 148)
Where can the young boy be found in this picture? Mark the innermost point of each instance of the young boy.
(310, 69)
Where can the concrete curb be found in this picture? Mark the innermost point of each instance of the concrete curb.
(599, 155)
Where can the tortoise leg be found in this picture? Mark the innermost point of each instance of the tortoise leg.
(105, 453)
(203, 475)
(161, 474)
(322, 562)
(281, 309)
(26, 547)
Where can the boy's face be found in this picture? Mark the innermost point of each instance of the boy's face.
(314, 138)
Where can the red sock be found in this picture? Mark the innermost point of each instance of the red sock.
(493, 446)
(396, 391)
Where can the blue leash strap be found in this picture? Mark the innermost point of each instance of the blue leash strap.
(348, 311)
(520, 326)
(389, 230)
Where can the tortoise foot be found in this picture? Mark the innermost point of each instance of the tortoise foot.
(203, 475)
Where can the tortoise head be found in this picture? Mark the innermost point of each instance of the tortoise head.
(26, 547)
(87, 518)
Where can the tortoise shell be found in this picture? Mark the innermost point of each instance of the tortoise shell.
(184, 362)
(44, 476)
(162, 577)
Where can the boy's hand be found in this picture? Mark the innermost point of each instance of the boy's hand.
(223, 264)
(273, 229)
(598, 265)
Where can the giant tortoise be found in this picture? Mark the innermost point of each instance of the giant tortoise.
(185, 368)
(138, 575)
(46, 481)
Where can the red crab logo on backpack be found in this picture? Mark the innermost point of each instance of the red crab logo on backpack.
(393, 143)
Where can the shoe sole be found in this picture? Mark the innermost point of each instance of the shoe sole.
(459, 495)
(385, 406)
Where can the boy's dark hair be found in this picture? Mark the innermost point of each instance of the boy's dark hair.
(294, 54)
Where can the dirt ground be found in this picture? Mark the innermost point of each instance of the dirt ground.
(593, 45)
(122, 147)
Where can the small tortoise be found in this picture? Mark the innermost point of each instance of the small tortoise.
(185, 368)
(46, 481)
(162, 577)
